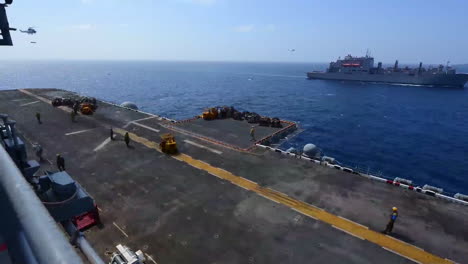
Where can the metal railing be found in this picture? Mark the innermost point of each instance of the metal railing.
(30, 232)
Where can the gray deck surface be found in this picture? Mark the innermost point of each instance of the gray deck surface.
(233, 132)
(180, 214)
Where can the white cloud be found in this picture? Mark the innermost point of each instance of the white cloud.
(271, 27)
(244, 28)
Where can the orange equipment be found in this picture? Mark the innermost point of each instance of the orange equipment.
(168, 144)
(210, 114)
(86, 109)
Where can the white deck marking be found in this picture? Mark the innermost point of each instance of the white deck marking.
(146, 118)
(150, 258)
(147, 127)
(36, 96)
(266, 197)
(137, 120)
(404, 242)
(47, 101)
(244, 188)
(215, 175)
(17, 100)
(204, 147)
(248, 180)
(120, 229)
(30, 103)
(102, 144)
(78, 132)
(415, 261)
(349, 233)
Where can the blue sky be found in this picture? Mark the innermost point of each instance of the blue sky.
(241, 30)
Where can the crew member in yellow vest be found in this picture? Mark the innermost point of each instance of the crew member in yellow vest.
(252, 133)
(393, 218)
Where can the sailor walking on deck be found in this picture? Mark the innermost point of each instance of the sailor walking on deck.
(111, 134)
(393, 218)
(76, 107)
(60, 163)
(252, 133)
(127, 139)
(38, 117)
(38, 150)
(73, 115)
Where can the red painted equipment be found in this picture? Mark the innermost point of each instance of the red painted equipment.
(87, 219)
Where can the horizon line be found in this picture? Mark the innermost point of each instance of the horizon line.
(195, 61)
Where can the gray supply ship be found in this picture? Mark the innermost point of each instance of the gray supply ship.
(362, 69)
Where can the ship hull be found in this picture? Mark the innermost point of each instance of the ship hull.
(449, 80)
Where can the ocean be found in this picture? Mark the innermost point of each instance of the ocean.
(414, 132)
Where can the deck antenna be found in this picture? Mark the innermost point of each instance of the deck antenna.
(367, 53)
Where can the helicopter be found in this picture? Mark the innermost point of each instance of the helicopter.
(29, 31)
(291, 50)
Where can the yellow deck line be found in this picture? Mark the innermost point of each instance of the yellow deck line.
(388, 243)
(394, 245)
